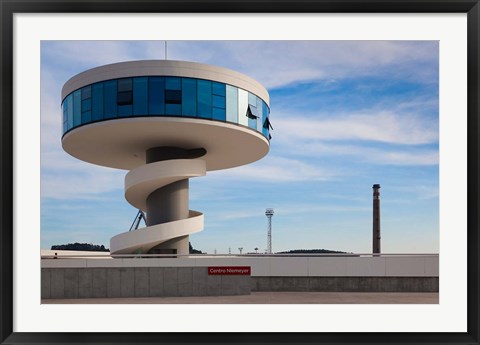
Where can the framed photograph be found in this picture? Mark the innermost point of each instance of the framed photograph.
(430, 132)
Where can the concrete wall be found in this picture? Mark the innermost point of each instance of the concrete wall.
(320, 266)
(101, 282)
(154, 277)
(346, 284)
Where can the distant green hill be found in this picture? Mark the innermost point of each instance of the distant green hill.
(81, 247)
(311, 251)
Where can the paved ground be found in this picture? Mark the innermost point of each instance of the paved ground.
(272, 298)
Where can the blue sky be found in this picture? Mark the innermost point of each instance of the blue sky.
(346, 115)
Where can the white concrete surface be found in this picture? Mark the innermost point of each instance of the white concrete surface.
(139, 184)
(259, 267)
(65, 263)
(401, 266)
(273, 298)
(143, 239)
(340, 266)
(142, 181)
(431, 265)
(366, 266)
(281, 267)
(327, 266)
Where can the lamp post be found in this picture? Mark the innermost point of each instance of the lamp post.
(269, 214)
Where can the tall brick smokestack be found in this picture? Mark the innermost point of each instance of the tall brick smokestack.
(376, 219)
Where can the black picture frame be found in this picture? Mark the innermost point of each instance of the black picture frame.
(10, 7)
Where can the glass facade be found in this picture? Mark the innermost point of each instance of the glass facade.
(97, 102)
(77, 108)
(189, 97)
(140, 96)
(110, 99)
(165, 96)
(232, 104)
(242, 107)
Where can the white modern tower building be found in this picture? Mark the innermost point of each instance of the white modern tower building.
(164, 122)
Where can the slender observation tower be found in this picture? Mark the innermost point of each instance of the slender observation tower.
(164, 122)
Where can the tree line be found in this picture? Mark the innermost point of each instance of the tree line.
(88, 247)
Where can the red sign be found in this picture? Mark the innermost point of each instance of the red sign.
(229, 271)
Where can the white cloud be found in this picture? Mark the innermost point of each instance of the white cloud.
(422, 157)
(81, 186)
(273, 63)
(381, 156)
(380, 137)
(318, 149)
(278, 63)
(384, 126)
(78, 54)
(277, 169)
(288, 210)
(65, 177)
(420, 192)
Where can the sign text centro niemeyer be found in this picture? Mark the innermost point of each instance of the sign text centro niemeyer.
(229, 270)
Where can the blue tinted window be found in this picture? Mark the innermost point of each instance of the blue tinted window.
(125, 110)
(86, 105)
(64, 111)
(242, 107)
(218, 114)
(232, 104)
(219, 101)
(124, 92)
(156, 95)
(69, 101)
(173, 97)
(189, 97)
(110, 99)
(252, 122)
(218, 89)
(65, 115)
(97, 101)
(265, 130)
(204, 98)
(252, 99)
(77, 108)
(86, 117)
(86, 92)
(173, 109)
(253, 117)
(173, 83)
(260, 114)
(140, 96)
(124, 84)
(252, 112)
(124, 98)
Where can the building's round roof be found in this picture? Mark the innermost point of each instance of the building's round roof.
(165, 68)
